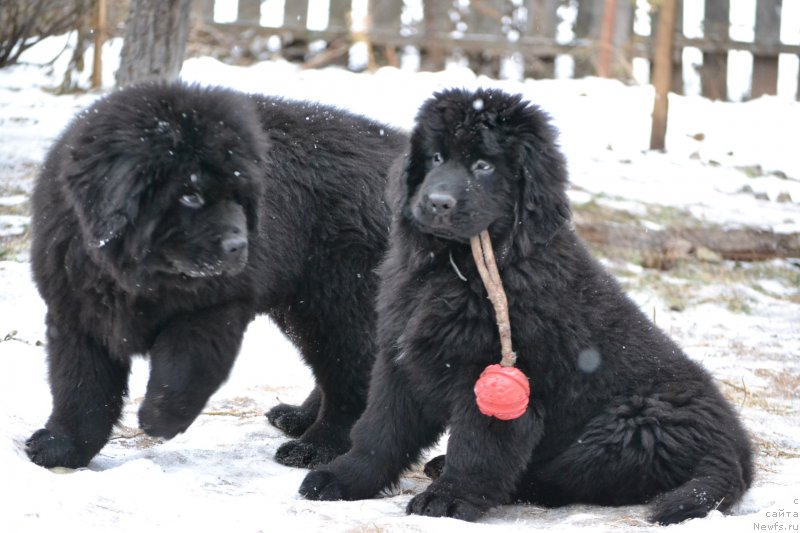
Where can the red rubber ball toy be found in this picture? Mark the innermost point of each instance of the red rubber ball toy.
(502, 392)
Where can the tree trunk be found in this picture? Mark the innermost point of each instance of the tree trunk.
(155, 41)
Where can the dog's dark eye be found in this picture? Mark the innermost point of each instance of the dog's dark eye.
(437, 159)
(192, 200)
(482, 167)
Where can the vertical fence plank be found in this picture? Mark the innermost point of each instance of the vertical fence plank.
(621, 60)
(203, 10)
(605, 44)
(485, 18)
(662, 73)
(542, 23)
(587, 27)
(341, 39)
(295, 13)
(384, 18)
(100, 35)
(714, 74)
(677, 53)
(614, 44)
(249, 11)
(435, 21)
(767, 32)
(385, 14)
(339, 15)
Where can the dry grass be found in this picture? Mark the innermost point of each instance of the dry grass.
(366, 528)
(681, 286)
(14, 246)
(784, 384)
(770, 449)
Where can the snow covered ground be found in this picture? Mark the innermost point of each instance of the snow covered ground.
(733, 164)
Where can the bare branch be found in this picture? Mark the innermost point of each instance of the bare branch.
(483, 254)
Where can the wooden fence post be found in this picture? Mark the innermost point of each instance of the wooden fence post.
(677, 53)
(485, 18)
(542, 23)
(662, 73)
(384, 19)
(249, 11)
(436, 21)
(621, 61)
(342, 36)
(605, 45)
(100, 33)
(677, 50)
(295, 13)
(714, 74)
(203, 11)
(767, 32)
(587, 28)
(339, 15)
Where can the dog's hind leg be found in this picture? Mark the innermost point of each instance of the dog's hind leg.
(294, 420)
(342, 398)
(683, 451)
(718, 482)
(335, 337)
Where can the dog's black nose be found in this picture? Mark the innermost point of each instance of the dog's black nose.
(441, 203)
(234, 245)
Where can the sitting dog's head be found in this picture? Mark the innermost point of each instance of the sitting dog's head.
(479, 160)
(164, 180)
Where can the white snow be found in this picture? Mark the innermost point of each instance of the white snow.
(220, 475)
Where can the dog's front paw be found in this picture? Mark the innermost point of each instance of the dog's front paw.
(159, 418)
(437, 501)
(293, 420)
(49, 449)
(302, 454)
(323, 485)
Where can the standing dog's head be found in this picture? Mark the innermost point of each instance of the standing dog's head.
(165, 181)
(483, 159)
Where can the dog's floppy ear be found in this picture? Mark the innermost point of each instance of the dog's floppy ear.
(104, 206)
(396, 192)
(251, 213)
(544, 203)
(253, 155)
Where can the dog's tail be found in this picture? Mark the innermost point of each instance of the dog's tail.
(718, 482)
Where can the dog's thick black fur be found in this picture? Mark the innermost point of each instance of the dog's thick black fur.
(166, 217)
(618, 414)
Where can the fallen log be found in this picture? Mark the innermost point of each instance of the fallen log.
(662, 248)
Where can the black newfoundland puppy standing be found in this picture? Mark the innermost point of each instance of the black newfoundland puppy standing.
(165, 218)
(617, 414)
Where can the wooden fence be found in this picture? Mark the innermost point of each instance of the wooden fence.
(484, 32)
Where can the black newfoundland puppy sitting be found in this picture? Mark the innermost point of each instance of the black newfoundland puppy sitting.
(165, 218)
(617, 414)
